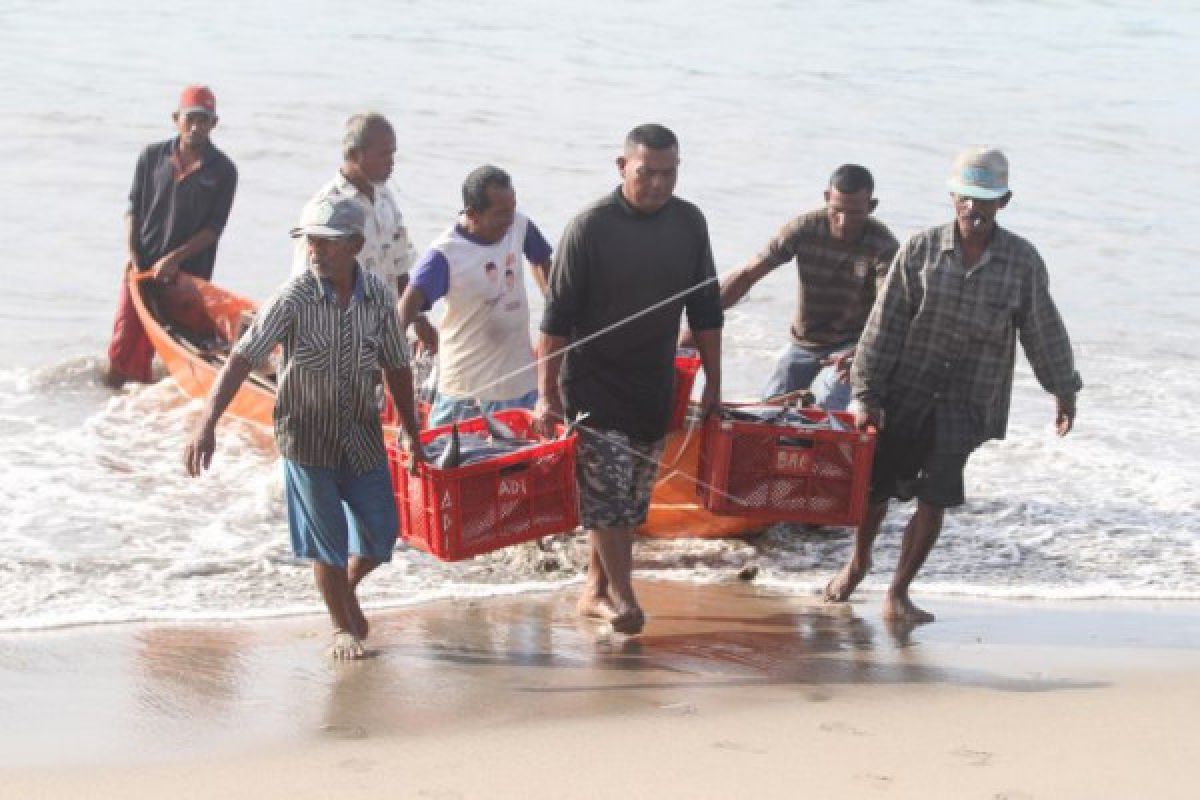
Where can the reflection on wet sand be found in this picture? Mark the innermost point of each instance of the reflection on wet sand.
(470, 663)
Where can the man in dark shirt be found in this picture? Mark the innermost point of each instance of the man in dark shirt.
(842, 255)
(182, 192)
(628, 266)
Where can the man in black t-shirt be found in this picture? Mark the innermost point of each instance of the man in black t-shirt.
(627, 268)
(180, 199)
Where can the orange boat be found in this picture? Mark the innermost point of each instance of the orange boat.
(193, 324)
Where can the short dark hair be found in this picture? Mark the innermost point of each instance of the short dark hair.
(851, 178)
(474, 190)
(651, 136)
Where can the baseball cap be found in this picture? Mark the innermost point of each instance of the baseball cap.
(980, 172)
(331, 218)
(197, 98)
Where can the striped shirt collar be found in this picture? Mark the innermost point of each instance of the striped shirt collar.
(321, 289)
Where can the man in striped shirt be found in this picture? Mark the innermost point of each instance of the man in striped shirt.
(935, 366)
(338, 327)
(842, 255)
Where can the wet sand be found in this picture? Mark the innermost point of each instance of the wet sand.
(731, 691)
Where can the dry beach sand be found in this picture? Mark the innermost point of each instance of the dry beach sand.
(732, 691)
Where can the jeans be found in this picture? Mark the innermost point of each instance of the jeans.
(447, 408)
(800, 368)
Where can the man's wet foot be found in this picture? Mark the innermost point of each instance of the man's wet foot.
(629, 622)
(899, 608)
(346, 647)
(594, 607)
(839, 589)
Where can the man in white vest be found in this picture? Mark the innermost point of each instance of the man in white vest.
(477, 266)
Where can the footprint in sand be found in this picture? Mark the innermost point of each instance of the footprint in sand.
(842, 727)
(738, 747)
(357, 764)
(973, 758)
(344, 731)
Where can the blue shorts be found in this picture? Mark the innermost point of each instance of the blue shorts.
(333, 513)
(448, 408)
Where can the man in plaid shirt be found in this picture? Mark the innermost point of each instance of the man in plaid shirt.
(935, 365)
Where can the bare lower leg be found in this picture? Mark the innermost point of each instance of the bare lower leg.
(851, 575)
(920, 535)
(359, 569)
(334, 585)
(614, 549)
(594, 600)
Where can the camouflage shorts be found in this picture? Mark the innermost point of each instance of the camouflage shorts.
(616, 476)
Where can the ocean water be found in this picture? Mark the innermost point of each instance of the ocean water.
(1095, 103)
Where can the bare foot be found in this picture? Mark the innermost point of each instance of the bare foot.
(112, 379)
(595, 606)
(346, 647)
(898, 607)
(629, 622)
(358, 620)
(839, 589)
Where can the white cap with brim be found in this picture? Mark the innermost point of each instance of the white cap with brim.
(981, 172)
(331, 219)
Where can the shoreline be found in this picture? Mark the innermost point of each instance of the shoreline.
(142, 709)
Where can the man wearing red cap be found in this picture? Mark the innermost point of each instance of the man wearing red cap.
(182, 192)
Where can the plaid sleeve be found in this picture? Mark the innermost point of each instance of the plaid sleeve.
(1043, 335)
(271, 324)
(882, 339)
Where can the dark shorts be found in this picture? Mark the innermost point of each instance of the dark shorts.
(910, 465)
(616, 477)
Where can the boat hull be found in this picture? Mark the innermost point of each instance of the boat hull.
(205, 309)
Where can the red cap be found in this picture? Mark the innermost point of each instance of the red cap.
(198, 98)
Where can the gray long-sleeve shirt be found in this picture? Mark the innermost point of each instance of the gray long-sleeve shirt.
(943, 338)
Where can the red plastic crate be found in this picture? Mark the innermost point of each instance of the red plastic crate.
(687, 364)
(786, 473)
(461, 512)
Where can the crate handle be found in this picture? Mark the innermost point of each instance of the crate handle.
(511, 468)
(793, 441)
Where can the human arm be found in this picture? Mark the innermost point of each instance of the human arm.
(541, 276)
(1046, 344)
(427, 283)
(708, 342)
(538, 253)
(197, 455)
(131, 253)
(167, 267)
(397, 374)
(882, 341)
(568, 293)
(400, 384)
(548, 411)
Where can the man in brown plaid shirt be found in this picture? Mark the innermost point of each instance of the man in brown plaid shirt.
(935, 364)
(842, 254)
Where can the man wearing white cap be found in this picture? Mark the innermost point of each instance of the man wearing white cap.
(935, 366)
(338, 327)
